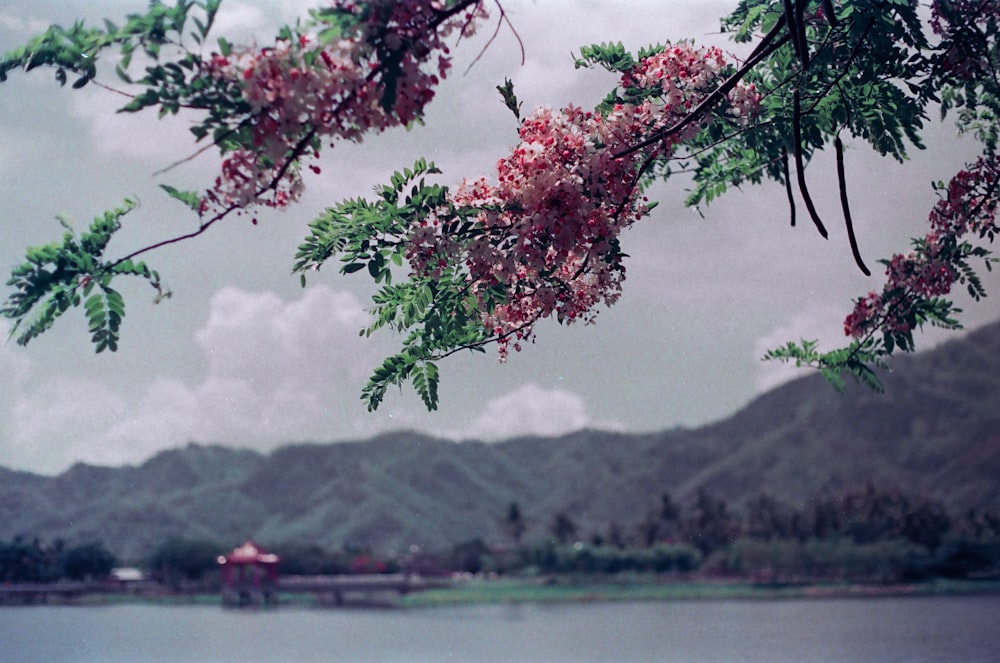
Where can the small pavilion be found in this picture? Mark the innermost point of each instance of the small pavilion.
(249, 574)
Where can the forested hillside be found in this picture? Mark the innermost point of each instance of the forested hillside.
(934, 434)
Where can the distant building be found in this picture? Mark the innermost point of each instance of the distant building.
(249, 575)
(127, 574)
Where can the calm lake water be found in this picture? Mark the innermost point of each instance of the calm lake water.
(855, 630)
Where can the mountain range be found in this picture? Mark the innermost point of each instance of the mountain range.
(935, 433)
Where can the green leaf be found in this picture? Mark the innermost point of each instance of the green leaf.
(190, 198)
(509, 98)
(57, 274)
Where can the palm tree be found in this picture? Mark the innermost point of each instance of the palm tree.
(514, 523)
(563, 528)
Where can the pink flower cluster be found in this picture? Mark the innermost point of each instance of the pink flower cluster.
(546, 233)
(968, 205)
(303, 92)
(956, 21)
(683, 75)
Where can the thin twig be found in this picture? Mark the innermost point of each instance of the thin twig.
(487, 341)
(503, 19)
(297, 150)
(111, 89)
(844, 68)
(180, 238)
(198, 153)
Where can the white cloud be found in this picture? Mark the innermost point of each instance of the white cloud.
(45, 424)
(240, 22)
(132, 135)
(15, 368)
(21, 25)
(275, 371)
(258, 337)
(162, 142)
(530, 410)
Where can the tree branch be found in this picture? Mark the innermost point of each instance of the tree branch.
(298, 149)
(766, 47)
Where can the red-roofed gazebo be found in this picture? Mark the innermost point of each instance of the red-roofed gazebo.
(248, 571)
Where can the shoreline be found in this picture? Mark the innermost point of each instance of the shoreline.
(557, 590)
(577, 590)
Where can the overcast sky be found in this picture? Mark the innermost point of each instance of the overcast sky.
(242, 356)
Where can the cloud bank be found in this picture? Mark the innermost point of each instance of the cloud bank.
(530, 410)
(275, 372)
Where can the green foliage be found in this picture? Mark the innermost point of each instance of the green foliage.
(872, 74)
(973, 98)
(471, 556)
(792, 560)
(861, 69)
(63, 275)
(90, 560)
(190, 198)
(605, 559)
(434, 313)
(614, 58)
(76, 49)
(21, 561)
(307, 559)
(184, 558)
(859, 361)
(509, 98)
(514, 523)
(865, 75)
(864, 357)
(169, 82)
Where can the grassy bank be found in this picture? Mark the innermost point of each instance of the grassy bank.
(566, 589)
(639, 588)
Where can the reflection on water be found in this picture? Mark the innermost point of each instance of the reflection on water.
(856, 630)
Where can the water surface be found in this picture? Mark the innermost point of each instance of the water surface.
(823, 630)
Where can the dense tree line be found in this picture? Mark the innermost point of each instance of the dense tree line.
(178, 559)
(36, 561)
(868, 533)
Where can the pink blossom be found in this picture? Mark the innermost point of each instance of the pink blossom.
(301, 91)
(967, 205)
(546, 231)
(955, 21)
